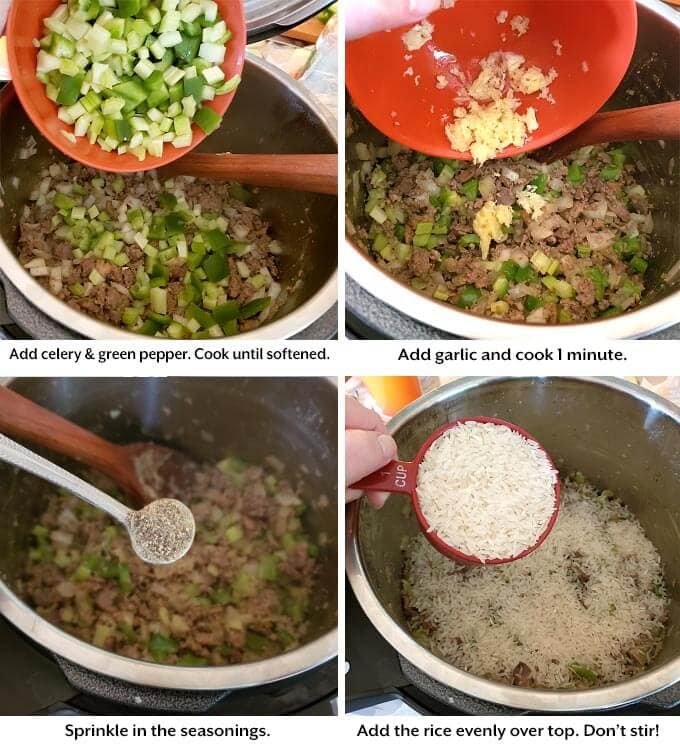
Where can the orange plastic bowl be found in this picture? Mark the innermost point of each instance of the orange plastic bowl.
(25, 23)
(597, 39)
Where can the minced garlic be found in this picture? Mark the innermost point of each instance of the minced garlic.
(491, 223)
(519, 24)
(532, 203)
(490, 122)
(531, 80)
(486, 129)
(419, 35)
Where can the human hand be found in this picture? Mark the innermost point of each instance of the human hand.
(368, 447)
(366, 16)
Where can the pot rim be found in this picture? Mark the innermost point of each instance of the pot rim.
(557, 701)
(280, 329)
(641, 322)
(229, 677)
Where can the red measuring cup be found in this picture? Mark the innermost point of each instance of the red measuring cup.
(401, 476)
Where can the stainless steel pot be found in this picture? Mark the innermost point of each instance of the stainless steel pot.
(653, 76)
(268, 17)
(293, 419)
(270, 114)
(620, 436)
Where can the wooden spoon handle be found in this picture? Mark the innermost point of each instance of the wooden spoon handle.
(638, 123)
(22, 419)
(317, 173)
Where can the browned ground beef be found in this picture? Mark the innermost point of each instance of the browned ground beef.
(240, 594)
(62, 253)
(595, 226)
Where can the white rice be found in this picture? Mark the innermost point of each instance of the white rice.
(592, 595)
(486, 490)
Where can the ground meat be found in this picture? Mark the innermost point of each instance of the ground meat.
(420, 263)
(584, 255)
(49, 233)
(240, 594)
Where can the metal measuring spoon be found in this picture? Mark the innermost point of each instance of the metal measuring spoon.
(160, 533)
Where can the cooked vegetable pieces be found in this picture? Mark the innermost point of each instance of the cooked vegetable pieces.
(242, 593)
(513, 239)
(185, 259)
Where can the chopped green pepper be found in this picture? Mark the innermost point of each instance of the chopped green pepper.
(583, 672)
(161, 645)
(539, 183)
(600, 280)
(471, 188)
(531, 303)
(469, 239)
(469, 295)
(191, 660)
(207, 119)
(254, 307)
(575, 174)
(215, 267)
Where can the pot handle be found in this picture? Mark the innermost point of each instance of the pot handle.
(398, 476)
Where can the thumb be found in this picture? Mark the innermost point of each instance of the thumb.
(366, 16)
(365, 452)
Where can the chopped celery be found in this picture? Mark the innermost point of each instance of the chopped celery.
(118, 59)
(541, 262)
(233, 534)
(268, 568)
(600, 281)
(500, 287)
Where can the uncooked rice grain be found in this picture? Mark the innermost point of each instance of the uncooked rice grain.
(589, 607)
(486, 490)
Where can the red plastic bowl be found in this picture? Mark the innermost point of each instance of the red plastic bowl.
(599, 33)
(25, 23)
(401, 477)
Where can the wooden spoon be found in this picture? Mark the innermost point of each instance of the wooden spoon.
(22, 419)
(160, 534)
(636, 124)
(317, 173)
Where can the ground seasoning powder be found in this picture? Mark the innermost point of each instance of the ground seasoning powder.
(163, 531)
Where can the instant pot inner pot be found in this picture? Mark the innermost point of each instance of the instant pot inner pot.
(653, 77)
(616, 440)
(292, 419)
(266, 117)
